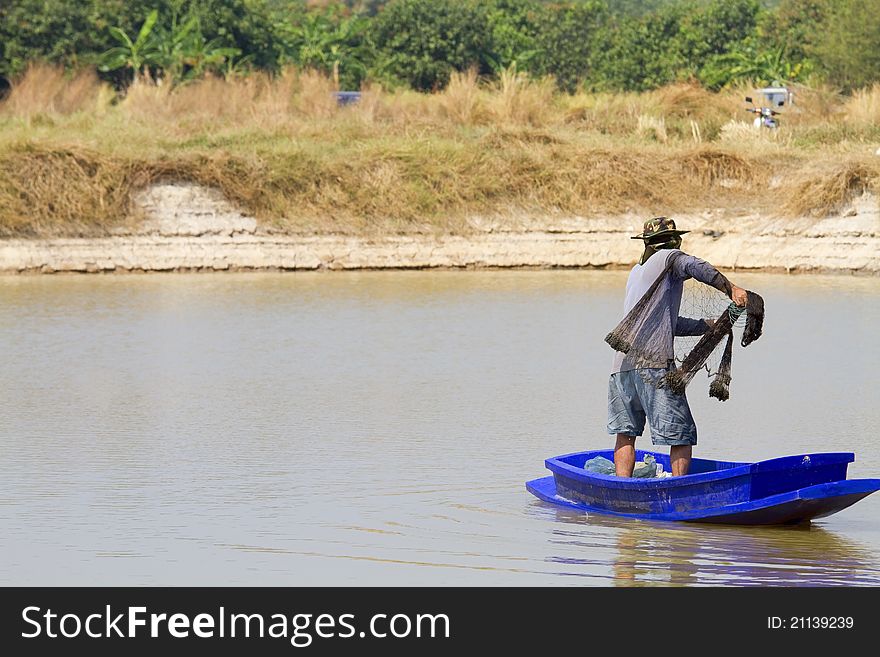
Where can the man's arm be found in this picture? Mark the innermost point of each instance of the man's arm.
(687, 266)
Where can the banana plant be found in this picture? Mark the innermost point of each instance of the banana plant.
(137, 54)
(201, 56)
(174, 43)
(753, 63)
(327, 43)
(185, 53)
(179, 51)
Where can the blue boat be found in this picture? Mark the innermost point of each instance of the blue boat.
(786, 490)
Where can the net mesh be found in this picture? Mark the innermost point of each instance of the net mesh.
(646, 334)
(699, 301)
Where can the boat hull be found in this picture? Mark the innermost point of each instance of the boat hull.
(791, 507)
(788, 489)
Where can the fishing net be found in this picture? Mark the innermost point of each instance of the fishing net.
(699, 301)
(645, 335)
(712, 352)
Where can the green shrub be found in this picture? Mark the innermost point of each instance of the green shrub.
(421, 42)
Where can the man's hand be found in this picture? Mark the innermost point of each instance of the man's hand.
(738, 295)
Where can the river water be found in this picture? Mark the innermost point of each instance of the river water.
(377, 428)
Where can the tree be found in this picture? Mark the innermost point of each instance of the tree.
(249, 25)
(641, 54)
(848, 48)
(421, 42)
(795, 26)
(243, 24)
(752, 62)
(712, 30)
(515, 25)
(51, 30)
(178, 50)
(571, 39)
(330, 41)
(77, 32)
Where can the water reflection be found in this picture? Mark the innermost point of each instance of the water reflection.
(680, 554)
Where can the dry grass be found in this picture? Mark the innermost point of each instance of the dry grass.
(650, 127)
(828, 188)
(515, 99)
(46, 90)
(282, 149)
(519, 100)
(742, 132)
(256, 100)
(685, 110)
(57, 190)
(461, 102)
(717, 167)
(816, 105)
(864, 106)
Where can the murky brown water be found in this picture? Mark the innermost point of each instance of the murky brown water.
(377, 428)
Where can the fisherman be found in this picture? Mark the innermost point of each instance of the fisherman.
(635, 389)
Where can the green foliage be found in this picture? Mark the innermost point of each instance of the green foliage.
(331, 41)
(848, 49)
(710, 31)
(795, 26)
(571, 38)
(750, 62)
(78, 32)
(178, 50)
(515, 25)
(249, 25)
(52, 30)
(421, 42)
(138, 54)
(639, 7)
(642, 54)
(594, 44)
(677, 41)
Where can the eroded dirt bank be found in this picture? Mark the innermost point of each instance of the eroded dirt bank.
(188, 228)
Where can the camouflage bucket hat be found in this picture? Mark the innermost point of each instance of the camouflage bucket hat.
(657, 227)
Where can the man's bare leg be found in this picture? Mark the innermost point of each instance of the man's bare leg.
(680, 458)
(624, 455)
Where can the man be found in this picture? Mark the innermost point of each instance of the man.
(635, 389)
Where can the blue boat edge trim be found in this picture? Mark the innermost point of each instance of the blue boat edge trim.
(729, 468)
(558, 464)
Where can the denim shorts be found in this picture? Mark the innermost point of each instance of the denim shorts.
(634, 397)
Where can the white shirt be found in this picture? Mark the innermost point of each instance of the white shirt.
(640, 279)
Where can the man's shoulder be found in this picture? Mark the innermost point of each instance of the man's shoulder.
(678, 254)
(669, 255)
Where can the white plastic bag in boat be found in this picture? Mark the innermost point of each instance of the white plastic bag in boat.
(647, 468)
(599, 465)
